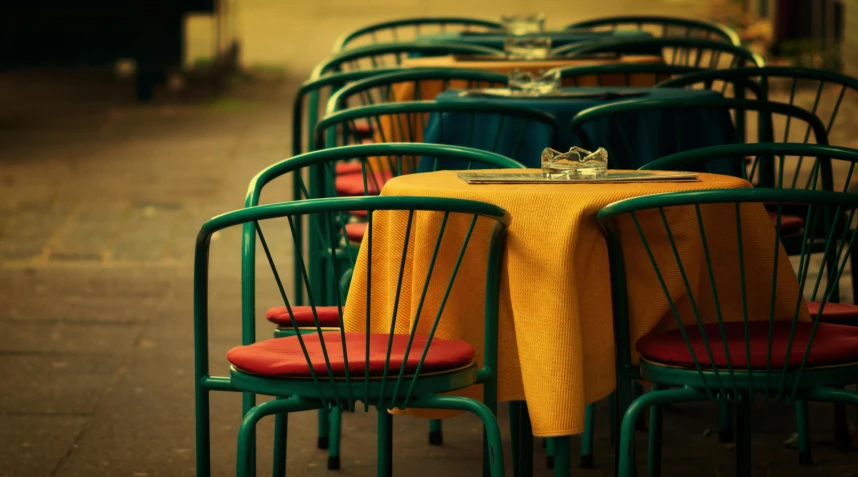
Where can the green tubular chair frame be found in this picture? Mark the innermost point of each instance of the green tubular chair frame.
(399, 51)
(625, 69)
(326, 134)
(322, 164)
(684, 49)
(321, 393)
(393, 25)
(382, 85)
(712, 29)
(732, 383)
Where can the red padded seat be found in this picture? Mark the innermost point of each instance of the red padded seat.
(329, 316)
(360, 213)
(284, 357)
(790, 224)
(834, 312)
(362, 130)
(833, 344)
(355, 231)
(351, 185)
(351, 167)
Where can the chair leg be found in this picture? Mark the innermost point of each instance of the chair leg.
(623, 399)
(385, 443)
(281, 427)
(626, 457)
(586, 458)
(245, 461)
(562, 461)
(203, 431)
(436, 435)
(655, 437)
(549, 453)
(725, 421)
(743, 435)
(802, 427)
(842, 436)
(494, 454)
(522, 439)
(324, 429)
(335, 429)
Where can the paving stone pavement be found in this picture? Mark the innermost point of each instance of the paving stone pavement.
(101, 199)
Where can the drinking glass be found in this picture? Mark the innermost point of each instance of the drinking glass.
(527, 47)
(523, 24)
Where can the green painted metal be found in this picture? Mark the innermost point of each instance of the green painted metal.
(387, 55)
(572, 74)
(695, 52)
(670, 26)
(379, 89)
(773, 381)
(562, 460)
(587, 437)
(329, 130)
(411, 27)
(522, 439)
(324, 390)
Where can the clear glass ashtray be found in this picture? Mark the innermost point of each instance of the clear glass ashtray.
(578, 163)
(527, 47)
(523, 24)
(523, 83)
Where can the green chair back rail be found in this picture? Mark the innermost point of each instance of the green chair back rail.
(388, 55)
(694, 52)
(314, 177)
(753, 121)
(662, 26)
(406, 121)
(823, 93)
(407, 29)
(328, 376)
(630, 74)
(766, 345)
(382, 88)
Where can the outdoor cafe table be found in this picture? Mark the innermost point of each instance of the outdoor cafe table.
(701, 127)
(558, 38)
(502, 65)
(556, 343)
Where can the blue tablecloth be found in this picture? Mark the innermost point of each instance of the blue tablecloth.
(632, 139)
(558, 38)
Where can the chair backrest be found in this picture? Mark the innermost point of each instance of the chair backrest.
(409, 29)
(455, 229)
(662, 26)
(695, 52)
(823, 93)
(390, 55)
(621, 74)
(310, 100)
(506, 130)
(412, 85)
(702, 272)
(679, 124)
(314, 177)
(797, 165)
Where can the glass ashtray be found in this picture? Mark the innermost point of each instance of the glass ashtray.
(578, 163)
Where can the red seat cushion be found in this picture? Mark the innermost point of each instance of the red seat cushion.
(351, 185)
(329, 316)
(351, 167)
(834, 312)
(789, 224)
(359, 213)
(355, 231)
(362, 130)
(833, 344)
(284, 357)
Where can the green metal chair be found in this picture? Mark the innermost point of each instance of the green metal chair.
(391, 55)
(817, 166)
(662, 26)
(406, 121)
(821, 92)
(625, 74)
(380, 89)
(734, 358)
(313, 369)
(408, 29)
(695, 52)
(320, 167)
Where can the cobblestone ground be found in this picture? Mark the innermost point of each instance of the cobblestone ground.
(101, 199)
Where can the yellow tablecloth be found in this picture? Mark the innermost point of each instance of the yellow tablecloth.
(556, 341)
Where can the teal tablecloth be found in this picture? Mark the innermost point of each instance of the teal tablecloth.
(632, 139)
(558, 38)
